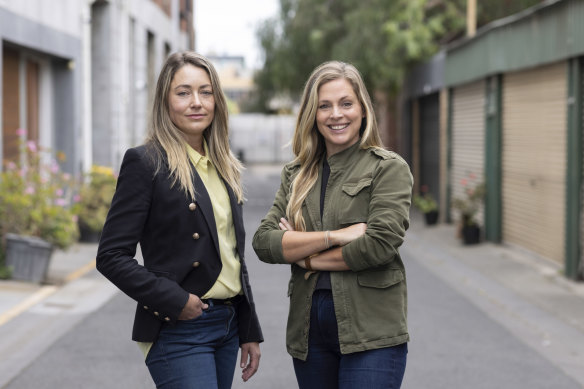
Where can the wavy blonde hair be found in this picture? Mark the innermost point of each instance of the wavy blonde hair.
(167, 138)
(308, 144)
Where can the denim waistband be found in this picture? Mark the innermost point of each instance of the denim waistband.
(228, 301)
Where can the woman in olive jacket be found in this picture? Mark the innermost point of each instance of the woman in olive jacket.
(338, 218)
(179, 195)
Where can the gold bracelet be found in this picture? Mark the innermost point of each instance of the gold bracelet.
(327, 235)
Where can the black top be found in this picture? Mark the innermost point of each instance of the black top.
(324, 279)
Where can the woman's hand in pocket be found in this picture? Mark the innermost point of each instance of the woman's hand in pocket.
(193, 308)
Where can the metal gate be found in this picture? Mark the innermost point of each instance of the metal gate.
(534, 159)
(467, 139)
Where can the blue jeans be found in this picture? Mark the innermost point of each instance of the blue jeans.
(197, 353)
(325, 366)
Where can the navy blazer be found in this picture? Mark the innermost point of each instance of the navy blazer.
(179, 244)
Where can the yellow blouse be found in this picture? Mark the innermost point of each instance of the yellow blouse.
(228, 283)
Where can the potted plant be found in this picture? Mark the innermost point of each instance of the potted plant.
(4, 270)
(468, 206)
(35, 212)
(426, 203)
(93, 202)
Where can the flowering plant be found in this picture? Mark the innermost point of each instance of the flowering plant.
(424, 201)
(470, 203)
(95, 197)
(35, 197)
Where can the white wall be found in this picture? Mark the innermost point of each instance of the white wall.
(262, 138)
(125, 84)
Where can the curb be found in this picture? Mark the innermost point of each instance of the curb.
(43, 293)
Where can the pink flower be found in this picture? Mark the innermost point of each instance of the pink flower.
(66, 176)
(60, 202)
(76, 198)
(59, 192)
(29, 190)
(463, 182)
(32, 146)
(11, 166)
(21, 132)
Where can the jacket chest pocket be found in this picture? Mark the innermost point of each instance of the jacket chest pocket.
(354, 201)
(380, 278)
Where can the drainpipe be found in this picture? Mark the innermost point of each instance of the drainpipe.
(471, 18)
(86, 87)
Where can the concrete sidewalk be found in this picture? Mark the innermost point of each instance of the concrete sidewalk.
(35, 316)
(17, 297)
(526, 294)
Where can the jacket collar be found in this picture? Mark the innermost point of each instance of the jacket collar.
(337, 162)
(345, 158)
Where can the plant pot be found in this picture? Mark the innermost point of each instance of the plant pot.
(431, 218)
(88, 235)
(471, 234)
(28, 257)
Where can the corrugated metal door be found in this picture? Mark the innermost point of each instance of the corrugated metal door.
(430, 144)
(467, 140)
(534, 159)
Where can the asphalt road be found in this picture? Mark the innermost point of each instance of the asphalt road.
(454, 343)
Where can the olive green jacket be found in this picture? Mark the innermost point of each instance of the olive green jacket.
(372, 186)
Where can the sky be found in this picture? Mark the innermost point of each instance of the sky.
(227, 27)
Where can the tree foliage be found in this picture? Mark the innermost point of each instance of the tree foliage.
(382, 38)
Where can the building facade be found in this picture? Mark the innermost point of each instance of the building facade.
(512, 113)
(236, 78)
(79, 75)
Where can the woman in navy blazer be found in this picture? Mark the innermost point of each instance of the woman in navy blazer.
(162, 203)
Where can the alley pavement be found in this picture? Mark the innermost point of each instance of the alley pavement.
(526, 295)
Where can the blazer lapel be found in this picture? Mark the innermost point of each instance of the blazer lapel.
(237, 214)
(204, 202)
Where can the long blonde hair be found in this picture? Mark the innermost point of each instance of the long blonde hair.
(167, 139)
(308, 144)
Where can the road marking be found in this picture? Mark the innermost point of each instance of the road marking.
(43, 293)
(37, 297)
(80, 272)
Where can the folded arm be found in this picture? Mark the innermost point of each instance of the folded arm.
(313, 248)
